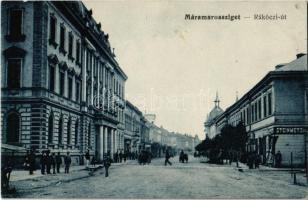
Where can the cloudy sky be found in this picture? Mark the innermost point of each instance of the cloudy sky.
(175, 66)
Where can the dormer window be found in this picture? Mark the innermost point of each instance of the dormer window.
(15, 30)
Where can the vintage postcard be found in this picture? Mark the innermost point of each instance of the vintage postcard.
(154, 99)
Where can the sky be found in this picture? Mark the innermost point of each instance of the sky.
(176, 66)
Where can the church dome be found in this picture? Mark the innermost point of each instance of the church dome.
(215, 112)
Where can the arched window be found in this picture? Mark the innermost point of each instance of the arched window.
(60, 136)
(13, 127)
(89, 135)
(76, 133)
(50, 128)
(69, 131)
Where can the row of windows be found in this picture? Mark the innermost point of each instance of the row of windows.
(62, 85)
(106, 77)
(62, 40)
(13, 130)
(259, 109)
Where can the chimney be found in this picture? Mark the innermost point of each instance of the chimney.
(300, 55)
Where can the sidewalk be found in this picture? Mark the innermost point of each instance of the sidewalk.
(23, 181)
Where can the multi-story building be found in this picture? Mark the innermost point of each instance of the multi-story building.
(62, 88)
(133, 128)
(275, 113)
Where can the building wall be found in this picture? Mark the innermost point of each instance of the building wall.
(34, 102)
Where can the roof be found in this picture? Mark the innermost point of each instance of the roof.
(299, 64)
(216, 111)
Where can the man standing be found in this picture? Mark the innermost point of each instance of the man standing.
(167, 158)
(43, 162)
(32, 161)
(87, 156)
(67, 162)
(53, 162)
(278, 159)
(120, 156)
(48, 161)
(107, 163)
(58, 162)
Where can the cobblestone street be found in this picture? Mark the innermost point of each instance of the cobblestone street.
(192, 180)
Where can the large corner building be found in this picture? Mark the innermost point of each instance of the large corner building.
(275, 113)
(62, 88)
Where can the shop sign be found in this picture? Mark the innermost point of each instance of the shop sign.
(291, 130)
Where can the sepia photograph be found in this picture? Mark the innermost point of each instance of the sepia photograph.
(154, 99)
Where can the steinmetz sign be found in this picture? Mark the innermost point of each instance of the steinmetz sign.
(291, 130)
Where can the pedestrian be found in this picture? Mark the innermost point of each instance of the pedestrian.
(48, 161)
(67, 162)
(278, 159)
(107, 164)
(257, 161)
(121, 156)
(26, 162)
(125, 156)
(53, 162)
(58, 162)
(87, 156)
(93, 161)
(181, 158)
(43, 162)
(167, 157)
(116, 157)
(31, 162)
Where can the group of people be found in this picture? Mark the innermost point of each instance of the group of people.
(120, 156)
(254, 160)
(48, 160)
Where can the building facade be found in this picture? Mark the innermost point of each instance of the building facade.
(275, 113)
(62, 88)
(134, 123)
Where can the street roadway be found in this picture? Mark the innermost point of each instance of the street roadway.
(191, 180)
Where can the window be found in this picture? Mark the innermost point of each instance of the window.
(70, 45)
(13, 126)
(14, 73)
(252, 113)
(77, 91)
(269, 98)
(77, 51)
(264, 107)
(62, 39)
(62, 83)
(70, 87)
(52, 30)
(69, 132)
(50, 128)
(51, 78)
(256, 111)
(15, 26)
(259, 106)
(60, 130)
(76, 133)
